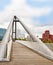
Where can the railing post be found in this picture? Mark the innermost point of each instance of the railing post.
(12, 29)
(15, 30)
(14, 26)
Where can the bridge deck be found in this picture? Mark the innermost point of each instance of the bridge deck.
(21, 55)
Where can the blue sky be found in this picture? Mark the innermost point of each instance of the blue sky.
(3, 3)
(31, 12)
(46, 19)
(35, 3)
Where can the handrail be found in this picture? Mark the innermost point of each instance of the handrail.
(7, 34)
(5, 41)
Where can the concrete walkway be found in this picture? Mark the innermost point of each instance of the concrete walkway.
(21, 55)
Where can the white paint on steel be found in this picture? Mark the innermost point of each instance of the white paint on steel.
(40, 48)
(6, 44)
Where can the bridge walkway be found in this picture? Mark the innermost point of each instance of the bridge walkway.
(22, 55)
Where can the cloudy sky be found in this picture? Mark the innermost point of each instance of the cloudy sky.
(36, 14)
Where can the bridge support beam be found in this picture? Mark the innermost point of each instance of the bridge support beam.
(14, 27)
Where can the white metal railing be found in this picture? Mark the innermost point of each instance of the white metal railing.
(42, 48)
(5, 45)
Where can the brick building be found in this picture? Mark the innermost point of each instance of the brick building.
(47, 36)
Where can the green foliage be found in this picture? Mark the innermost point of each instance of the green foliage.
(21, 39)
(47, 41)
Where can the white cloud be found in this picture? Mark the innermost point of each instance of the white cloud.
(20, 8)
(39, 11)
(42, 0)
(38, 31)
(24, 12)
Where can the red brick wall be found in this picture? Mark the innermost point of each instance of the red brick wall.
(47, 36)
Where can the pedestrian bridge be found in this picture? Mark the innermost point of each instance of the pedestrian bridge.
(37, 47)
